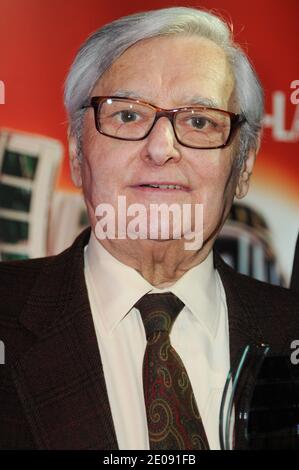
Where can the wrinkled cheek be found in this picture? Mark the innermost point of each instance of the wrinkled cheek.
(88, 182)
(212, 208)
(216, 204)
(92, 187)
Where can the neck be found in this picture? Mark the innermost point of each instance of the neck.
(161, 263)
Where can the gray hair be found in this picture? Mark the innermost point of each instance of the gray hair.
(106, 44)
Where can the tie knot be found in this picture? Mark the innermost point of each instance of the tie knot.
(159, 311)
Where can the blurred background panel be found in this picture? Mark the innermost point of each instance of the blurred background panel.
(28, 172)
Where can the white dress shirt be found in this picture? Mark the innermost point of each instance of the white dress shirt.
(199, 335)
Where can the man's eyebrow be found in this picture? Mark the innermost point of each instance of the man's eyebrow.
(200, 101)
(128, 94)
(188, 101)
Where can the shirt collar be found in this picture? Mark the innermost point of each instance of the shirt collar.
(116, 287)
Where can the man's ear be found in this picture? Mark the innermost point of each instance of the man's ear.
(75, 163)
(244, 175)
(246, 171)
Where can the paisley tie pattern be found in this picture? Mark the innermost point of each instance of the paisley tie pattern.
(173, 419)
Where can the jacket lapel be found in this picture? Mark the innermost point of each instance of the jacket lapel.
(60, 380)
(242, 327)
(242, 332)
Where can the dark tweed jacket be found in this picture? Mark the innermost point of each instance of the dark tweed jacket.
(52, 389)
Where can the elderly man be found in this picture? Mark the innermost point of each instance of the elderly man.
(125, 342)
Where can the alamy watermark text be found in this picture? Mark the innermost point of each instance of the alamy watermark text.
(154, 222)
(2, 92)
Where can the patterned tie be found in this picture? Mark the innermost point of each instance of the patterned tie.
(174, 421)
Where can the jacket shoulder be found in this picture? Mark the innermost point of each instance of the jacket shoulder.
(17, 278)
(264, 299)
(20, 279)
(262, 292)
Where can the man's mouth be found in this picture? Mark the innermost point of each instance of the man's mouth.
(161, 186)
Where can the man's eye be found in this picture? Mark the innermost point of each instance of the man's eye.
(199, 122)
(128, 116)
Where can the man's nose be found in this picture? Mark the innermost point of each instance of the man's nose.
(161, 144)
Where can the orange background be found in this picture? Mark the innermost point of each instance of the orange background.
(39, 38)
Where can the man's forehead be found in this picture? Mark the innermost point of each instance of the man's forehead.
(181, 74)
(172, 56)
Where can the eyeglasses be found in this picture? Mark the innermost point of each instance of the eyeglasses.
(196, 127)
